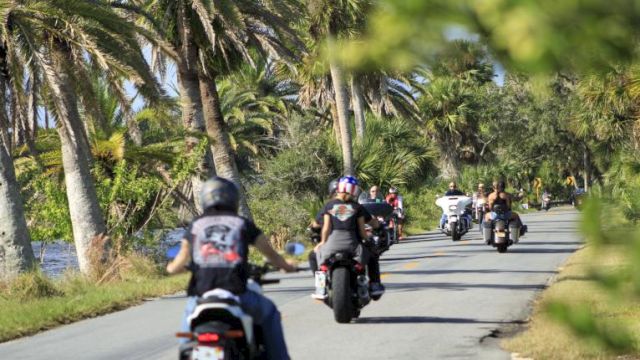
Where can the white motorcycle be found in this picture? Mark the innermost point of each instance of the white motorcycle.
(457, 222)
(478, 208)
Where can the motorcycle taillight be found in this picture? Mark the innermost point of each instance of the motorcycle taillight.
(324, 268)
(208, 338)
(359, 267)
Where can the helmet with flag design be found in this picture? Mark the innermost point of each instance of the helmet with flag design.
(348, 185)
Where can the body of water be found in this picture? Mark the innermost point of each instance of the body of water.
(60, 256)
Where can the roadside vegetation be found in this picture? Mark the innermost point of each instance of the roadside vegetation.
(547, 338)
(33, 302)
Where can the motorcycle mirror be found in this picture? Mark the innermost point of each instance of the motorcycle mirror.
(294, 248)
(172, 252)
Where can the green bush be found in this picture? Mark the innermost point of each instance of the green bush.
(29, 286)
(422, 213)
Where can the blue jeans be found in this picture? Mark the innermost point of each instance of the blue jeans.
(506, 216)
(443, 219)
(264, 314)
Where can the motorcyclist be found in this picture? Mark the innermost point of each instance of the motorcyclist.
(374, 196)
(373, 266)
(546, 199)
(500, 197)
(480, 194)
(215, 247)
(343, 228)
(316, 226)
(452, 191)
(394, 199)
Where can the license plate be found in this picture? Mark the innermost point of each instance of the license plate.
(208, 353)
(500, 234)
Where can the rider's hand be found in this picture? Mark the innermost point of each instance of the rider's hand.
(293, 266)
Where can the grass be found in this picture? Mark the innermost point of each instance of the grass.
(545, 338)
(32, 302)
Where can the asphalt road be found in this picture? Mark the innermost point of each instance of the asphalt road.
(444, 300)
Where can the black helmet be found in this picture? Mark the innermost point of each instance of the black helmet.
(333, 186)
(220, 194)
(501, 185)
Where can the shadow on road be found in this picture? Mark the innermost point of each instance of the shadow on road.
(417, 286)
(458, 271)
(428, 319)
(416, 257)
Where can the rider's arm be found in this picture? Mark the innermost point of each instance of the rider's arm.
(490, 200)
(262, 244)
(326, 229)
(374, 222)
(361, 230)
(179, 263)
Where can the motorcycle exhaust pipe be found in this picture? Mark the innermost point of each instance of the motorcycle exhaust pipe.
(363, 289)
(514, 233)
(487, 232)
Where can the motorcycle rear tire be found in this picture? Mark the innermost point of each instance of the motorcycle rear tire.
(502, 248)
(341, 295)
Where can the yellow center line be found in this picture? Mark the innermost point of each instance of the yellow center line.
(384, 275)
(411, 265)
(439, 253)
(465, 242)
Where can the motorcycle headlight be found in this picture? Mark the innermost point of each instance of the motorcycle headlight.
(453, 207)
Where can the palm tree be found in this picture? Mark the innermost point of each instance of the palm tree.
(208, 40)
(332, 20)
(227, 37)
(16, 254)
(57, 38)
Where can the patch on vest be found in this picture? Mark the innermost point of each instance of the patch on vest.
(342, 211)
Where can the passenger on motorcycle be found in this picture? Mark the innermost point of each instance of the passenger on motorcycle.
(316, 226)
(479, 204)
(394, 199)
(215, 247)
(453, 191)
(500, 197)
(343, 228)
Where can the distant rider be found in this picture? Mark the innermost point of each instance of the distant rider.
(216, 248)
(343, 227)
(453, 191)
(394, 199)
(500, 197)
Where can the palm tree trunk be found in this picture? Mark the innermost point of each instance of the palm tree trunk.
(46, 119)
(335, 122)
(449, 164)
(87, 220)
(16, 254)
(191, 102)
(19, 130)
(358, 107)
(220, 145)
(4, 120)
(587, 167)
(133, 130)
(342, 104)
(32, 110)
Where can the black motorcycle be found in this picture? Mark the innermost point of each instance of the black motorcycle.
(380, 240)
(346, 284)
